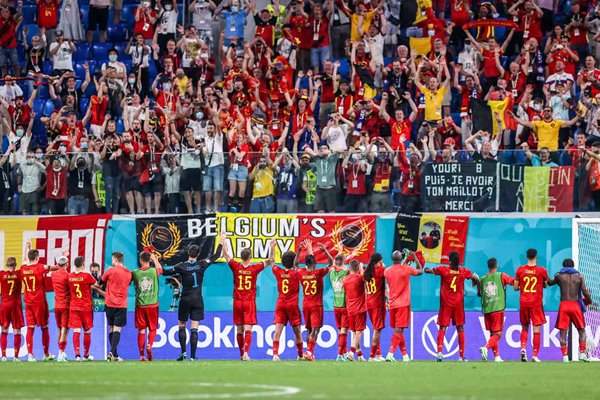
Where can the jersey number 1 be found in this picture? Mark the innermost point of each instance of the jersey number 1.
(32, 287)
(245, 282)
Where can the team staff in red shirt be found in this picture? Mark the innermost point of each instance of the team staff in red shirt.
(60, 283)
(286, 309)
(398, 280)
(36, 305)
(375, 285)
(117, 279)
(530, 280)
(81, 310)
(354, 285)
(244, 295)
(452, 306)
(11, 311)
(311, 280)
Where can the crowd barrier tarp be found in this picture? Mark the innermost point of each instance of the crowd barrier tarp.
(217, 338)
(435, 235)
(487, 187)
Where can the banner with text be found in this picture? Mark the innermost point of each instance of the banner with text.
(482, 187)
(435, 235)
(353, 235)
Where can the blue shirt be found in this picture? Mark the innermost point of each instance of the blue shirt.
(234, 24)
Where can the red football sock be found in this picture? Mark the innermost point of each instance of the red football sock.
(440, 340)
(275, 347)
(536, 343)
(496, 350)
(402, 344)
(395, 342)
(45, 340)
(240, 343)
(352, 349)
(524, 334)
(62, 346)
(311, 345)
(77, 343)
(582, 347)
(359, 353)
(342, 338)
(564, 350)
(373, 351)
(29, 339)
(87, 341)
(4, 343)
(17, 344)
(461, 344)
(151, 337)
(493, 341)
(378, 351)
(247, 341)
(141, 343)
(300, 348)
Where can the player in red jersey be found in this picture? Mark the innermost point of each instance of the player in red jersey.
(375, 286)
(452, 305)
(356, 303)
(398, 280)
(287, 310)
(244, 295)
(81, 312)
(530, 280)
(11, 311)
(311, 280)
(60, 283)
(36, 305)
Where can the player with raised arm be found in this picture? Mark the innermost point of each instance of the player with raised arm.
(145, 281)
(398, 280)
(244, 295)
(191, 303)
(574, 296)
(36, 304)
(354, 286)
(492, 289)
(81, 309)
(286, 309)
(452, 304)
(62, 296)
(337, 273)
(11, 309)
(530, 280)
(117, 279)
(311, 280)
(374, 276)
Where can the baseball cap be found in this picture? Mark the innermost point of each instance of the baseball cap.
(59, 32)
(305, 155)
(449, 142)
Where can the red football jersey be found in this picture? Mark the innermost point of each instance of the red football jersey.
(244, 280)
(376, 288)
(312, 286)
(398, 279)
(356, 301)
(80, 287)
(10, 285)
(531, 284)
(288, 286)
(33, 280)
(452, 287)
(60, 282)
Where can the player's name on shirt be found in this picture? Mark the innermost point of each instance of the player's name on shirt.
(305, 277)
(244, 272)
(77, 279)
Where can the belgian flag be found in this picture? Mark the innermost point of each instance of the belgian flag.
(482, 114)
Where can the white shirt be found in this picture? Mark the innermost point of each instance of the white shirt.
(469, 60)
(214, 145)
(63, 58)
(138, 57)
(375, 47)
(336, 137)
(559, 77)
(9, 92)
(202, 15)
(167, 22)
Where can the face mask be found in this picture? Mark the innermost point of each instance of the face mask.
(131, 81)
(199, 115)
(203, 55)
(112, 57)
(62, 149)
(56, 169)
(37, 46)
(168, 7)
(20, 132)
(39, 156)
(430, 32)
(537, 107)
(234, 9)
(30, 161)
(167, 87)
(84, 146)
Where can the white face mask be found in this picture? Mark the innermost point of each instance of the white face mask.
(131, 81)
(430, 32)
(168, 7)
(112, 58)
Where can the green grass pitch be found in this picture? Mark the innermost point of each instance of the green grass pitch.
(298, 380)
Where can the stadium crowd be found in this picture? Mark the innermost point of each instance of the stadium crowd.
(160, 107)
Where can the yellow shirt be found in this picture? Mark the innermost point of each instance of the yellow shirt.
(368, 17)
(433, 103)
(547, 133)
(263, 183)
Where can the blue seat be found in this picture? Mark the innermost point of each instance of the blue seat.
(128, 13)
(29, 14)
(48, 107)
(47, 68)
(84, 10)
(32, 30)
(39, 133)
(344, 68)
(91, 90)
(82, 53)
(38, 106)
(127, 65)
(152, 70)
(42, 92)
(100, 50)
(116, 33)
(79, 70)
(120, 125)
(83, 104)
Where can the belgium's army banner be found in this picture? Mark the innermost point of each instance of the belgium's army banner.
(168, 237)
(434, 235)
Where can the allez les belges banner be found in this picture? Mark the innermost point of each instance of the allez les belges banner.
(486, 187)
(435, 235)
(170, 236)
